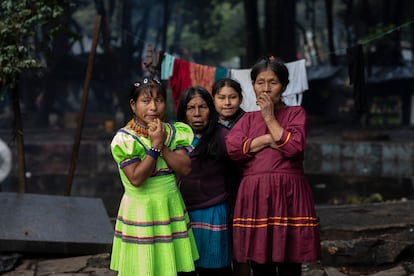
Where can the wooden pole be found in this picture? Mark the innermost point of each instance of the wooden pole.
(76, 144)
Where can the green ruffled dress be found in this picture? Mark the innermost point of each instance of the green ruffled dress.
(152, 232)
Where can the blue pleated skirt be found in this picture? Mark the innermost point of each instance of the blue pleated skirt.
(212, 235)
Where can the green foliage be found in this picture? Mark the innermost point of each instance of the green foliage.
(212, 31)
(26, 30)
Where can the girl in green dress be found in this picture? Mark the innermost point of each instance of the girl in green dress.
(152, 233)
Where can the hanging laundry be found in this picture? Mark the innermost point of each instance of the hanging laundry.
(298, 82)
(185, 74)
(249, 98)
(221, 73)
(167, 66)
(152, 61)
(180, 79)
(202, 75)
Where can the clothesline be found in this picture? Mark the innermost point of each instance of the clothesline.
(189, 73)
(337, 51)
(367, 40)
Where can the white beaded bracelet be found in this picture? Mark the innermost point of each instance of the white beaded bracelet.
(155, 149)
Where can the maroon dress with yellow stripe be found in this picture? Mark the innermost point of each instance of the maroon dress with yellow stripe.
(274, 217)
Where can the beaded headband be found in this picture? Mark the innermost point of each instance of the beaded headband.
(145, 81)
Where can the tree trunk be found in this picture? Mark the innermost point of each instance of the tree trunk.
(396, 16)
(329, 22)
(314, 32)
(280, 29)
(139, 47)
(388, 49)
(105, 13)
(348, 20)
(166, 13)
(253, 44)
(127, 40)
(20, 141)
(412, 42)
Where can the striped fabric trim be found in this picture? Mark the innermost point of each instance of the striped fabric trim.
(189, 149)
(149, 223)
(152, 239)
(207, 226)
(170, 134)
(129, 161)
(279, 221)
(285, 142)
(245, 149)
(162, 172)
(181, 148)
(135, 138)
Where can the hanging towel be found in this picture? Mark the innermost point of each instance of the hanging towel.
(167, 66)
(180, 79)
(298, 83)
(221, 73)
(249, 98)
(202, 75)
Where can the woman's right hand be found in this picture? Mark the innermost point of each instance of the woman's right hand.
(266, 106)
(157, 133)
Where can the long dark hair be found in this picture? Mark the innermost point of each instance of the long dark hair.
(209, 145)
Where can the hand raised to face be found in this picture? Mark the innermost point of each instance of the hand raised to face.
(265, 102)
(157, 133)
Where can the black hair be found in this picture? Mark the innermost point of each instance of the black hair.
(227, 82)
(276, 65)
(146, 85)
(210, 142)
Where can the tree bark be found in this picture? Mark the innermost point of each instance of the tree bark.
(348, 19)
(20, 141)
(314, 32)
(329, 22)
(166, 13)
(280, 29)
(253, 44)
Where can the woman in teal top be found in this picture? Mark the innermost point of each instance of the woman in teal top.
(152, 233)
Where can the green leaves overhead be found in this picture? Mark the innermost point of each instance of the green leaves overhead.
(26, 30)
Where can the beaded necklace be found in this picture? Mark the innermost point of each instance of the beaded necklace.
(138, 128)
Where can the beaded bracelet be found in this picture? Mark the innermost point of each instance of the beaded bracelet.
(155, 149)
(154, 152)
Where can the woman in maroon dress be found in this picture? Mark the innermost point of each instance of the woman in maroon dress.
(275, 227)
